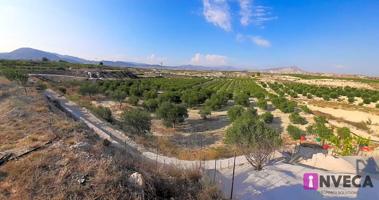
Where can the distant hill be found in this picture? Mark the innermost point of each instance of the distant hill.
(285, 70)
(35, 54)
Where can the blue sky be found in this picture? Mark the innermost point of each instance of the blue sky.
(316, 35)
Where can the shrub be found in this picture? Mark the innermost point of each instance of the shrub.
(295, 132)
(119, 95)
(62, 90)
(235, 112)
(267, 117)
(104, 113)
(306, 109)
(133, 100)
(88, 89)
(241, 99)
(297, 119)
(217, 101)
(205, 112)
(366, 101)
(137, 120)
(320, 119)
(150, 105)
(193, 98)
(262, 104)
(343, 133)
(150, 94)
(351, 99)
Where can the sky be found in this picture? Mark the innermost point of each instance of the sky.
(317, 35)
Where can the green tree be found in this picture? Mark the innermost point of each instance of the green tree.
(133, 100)
(172, 114)
(241, 99)
(137, 121)
(256, 140)
(217, 100)
(150, 105)
(235, 112)
(88, 89)
(191, 98)
(119, 95)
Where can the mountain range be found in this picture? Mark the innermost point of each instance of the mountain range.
(35, 54)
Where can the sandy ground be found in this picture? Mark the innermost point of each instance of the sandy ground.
(324, 82)
(210, 131)
(353, 116)
(336, 83)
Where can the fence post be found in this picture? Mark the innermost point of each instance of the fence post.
(234, 167)
(214, 174)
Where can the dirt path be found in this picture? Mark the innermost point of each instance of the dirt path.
(118, 138)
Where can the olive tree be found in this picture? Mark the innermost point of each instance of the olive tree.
(137, 121)
(257, 141)
(171, 113)
(241, 99)
(88, 89)
(235, 112)
(119, 95)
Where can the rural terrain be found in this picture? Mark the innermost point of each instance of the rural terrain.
(103, 132)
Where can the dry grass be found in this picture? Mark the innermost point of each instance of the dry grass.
(345, 106)
(54, 172)
(168, 148)
(360, 125)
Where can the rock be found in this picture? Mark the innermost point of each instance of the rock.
(136, 179)
(82, 180)
(80, 145)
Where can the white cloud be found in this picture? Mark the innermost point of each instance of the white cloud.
(254, 14)
(217, 12)
(257, 40)
(208, 59)
(261, 15)
(260, 41)
(245, 11)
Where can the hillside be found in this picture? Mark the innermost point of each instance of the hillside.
(51, 156)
